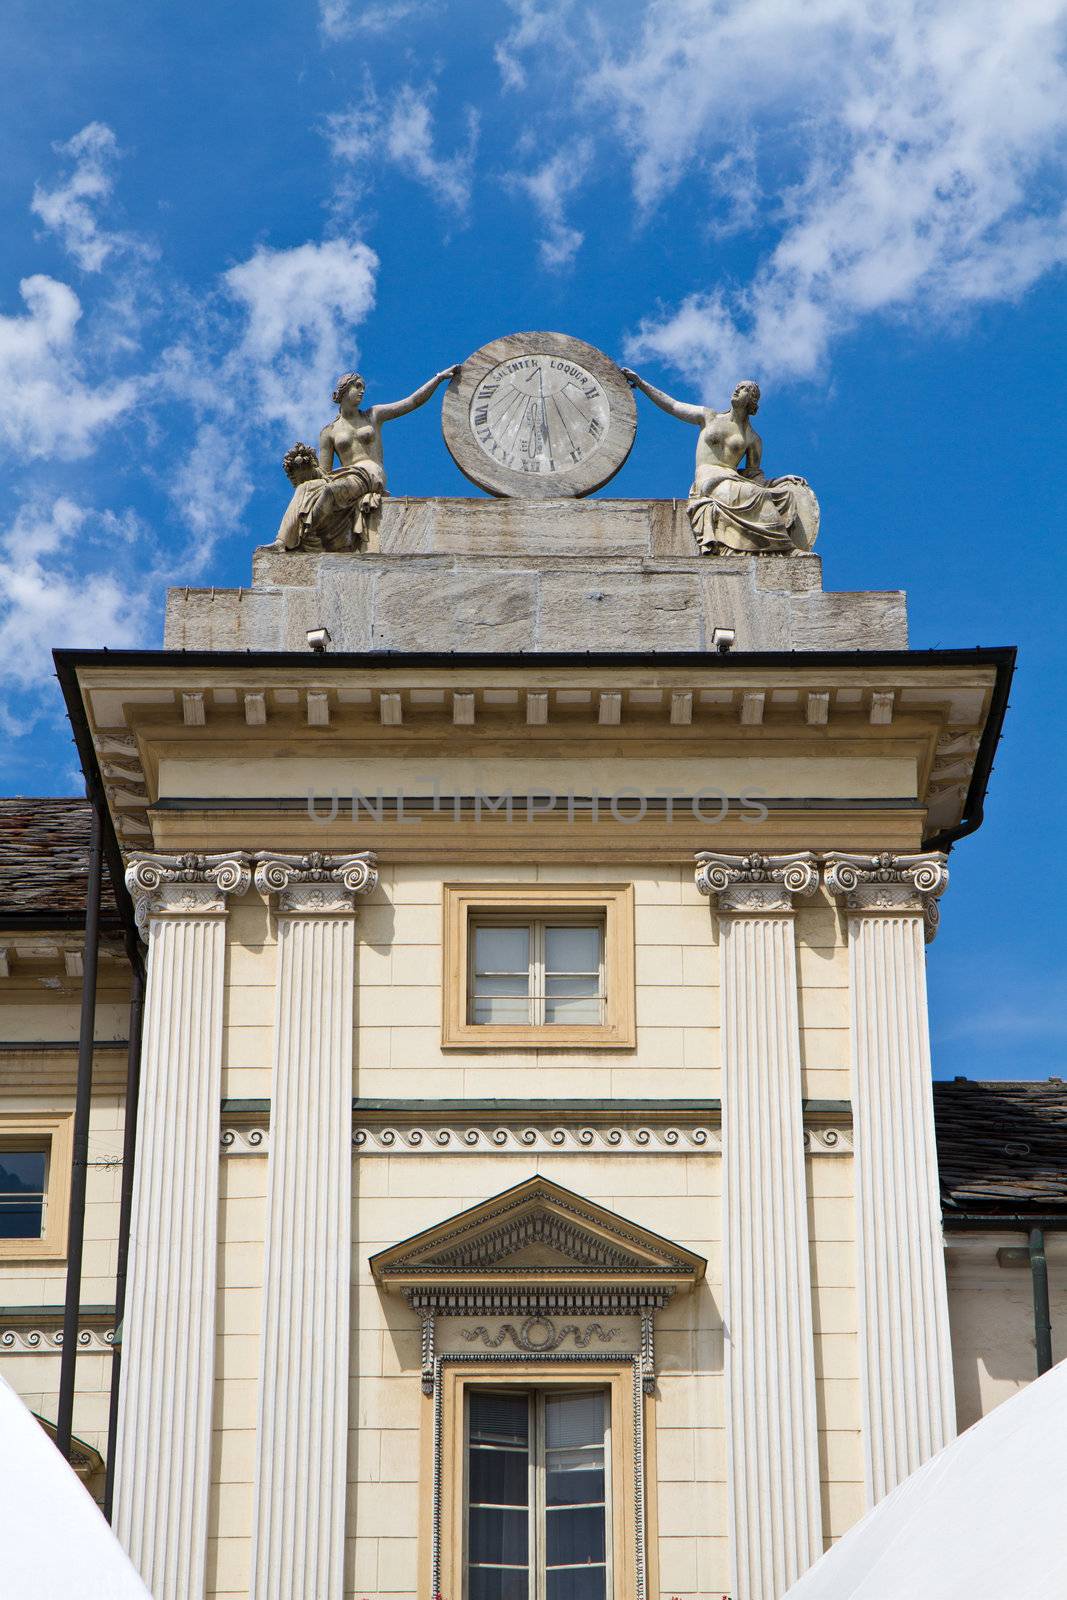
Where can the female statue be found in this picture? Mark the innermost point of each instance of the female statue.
(332, 509)
(733, 507)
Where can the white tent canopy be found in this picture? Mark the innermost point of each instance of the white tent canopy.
(984, 1517)
(53, 1541)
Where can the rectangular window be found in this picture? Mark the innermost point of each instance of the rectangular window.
(538, 966)
(23, 1185)
(537, 1495)
(35, 1155)
(541, 973)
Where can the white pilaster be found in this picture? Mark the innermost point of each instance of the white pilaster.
(298, 1534)
(909, 1409)
(772, 1434)
(163, 1450)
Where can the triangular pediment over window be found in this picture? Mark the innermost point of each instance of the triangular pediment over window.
(537, 1233)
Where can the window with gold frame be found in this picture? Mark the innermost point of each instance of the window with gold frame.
(34, 1185)
(447, 1531)
(538, 966)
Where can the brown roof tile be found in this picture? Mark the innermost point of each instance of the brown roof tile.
(44, 846)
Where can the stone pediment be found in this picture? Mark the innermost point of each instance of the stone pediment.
(537, 1232)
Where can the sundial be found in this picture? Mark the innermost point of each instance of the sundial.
(537, 416)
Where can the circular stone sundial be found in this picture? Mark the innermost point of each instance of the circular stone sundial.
(537, 416)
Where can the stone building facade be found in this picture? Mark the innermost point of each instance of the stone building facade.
(536, 1186)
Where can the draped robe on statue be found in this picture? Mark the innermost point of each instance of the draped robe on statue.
(729, 510)
(355, 495)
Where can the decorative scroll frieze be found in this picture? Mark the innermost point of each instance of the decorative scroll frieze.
(190, 885)
(456, 1138)
(399, 1139)
(756, 883)
(240, 1139)
(316, 884)
(888, 882)
(30, 1340)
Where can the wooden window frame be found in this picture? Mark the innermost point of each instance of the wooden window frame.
(537, 1511)
(616, 1380)
(27, 1130)
(465, 903)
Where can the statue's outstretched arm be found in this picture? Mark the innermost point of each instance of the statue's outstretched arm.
(400, 408)
(673, 408)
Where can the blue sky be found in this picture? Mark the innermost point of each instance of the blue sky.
(209, 214)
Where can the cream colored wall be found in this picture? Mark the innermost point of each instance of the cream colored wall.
(398, 1035)
(35, 1377)
(991, 1310)
(835, 1315)
(242, 1228)
(395, 1196)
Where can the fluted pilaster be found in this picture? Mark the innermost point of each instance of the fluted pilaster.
(168, 1336)
(302, 1434)
(905, 1348)
(772, 1436)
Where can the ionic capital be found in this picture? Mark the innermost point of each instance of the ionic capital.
(185, 885)
(315, 884)
(890, 883)
(756, 883)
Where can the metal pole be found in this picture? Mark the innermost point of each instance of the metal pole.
(129, 1154)
(1042, 1318)
(82, 1104)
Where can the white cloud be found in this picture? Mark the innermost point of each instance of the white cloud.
(401, 132)
(549, 187)
(913, 150)
(300, 307)
(69, 209)
(50, 594)
(341, 19)
(539, 24)
(47, 409)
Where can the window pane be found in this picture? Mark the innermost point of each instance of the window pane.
(574, 1536)
(509, 983)
(501, 949)
(576, 1583)
(22, 1171)
(499, 1418)
(570, 949)
(500, 1009)
(581, 1012)
(499, 1537)
(575, 1478)
(22, 1176)
(565, 988)
(498, 1583)
(499, 1476)
(573, 1419)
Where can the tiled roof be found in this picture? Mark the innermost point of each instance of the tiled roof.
(44, 846)
(1002, 1146)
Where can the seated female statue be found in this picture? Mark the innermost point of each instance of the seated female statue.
(734, 507)
(336, 509)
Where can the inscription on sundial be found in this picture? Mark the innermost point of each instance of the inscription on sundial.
(536, 415)
(539, 413)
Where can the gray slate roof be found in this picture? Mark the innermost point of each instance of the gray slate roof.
(44, 845)
(1002, 1145)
